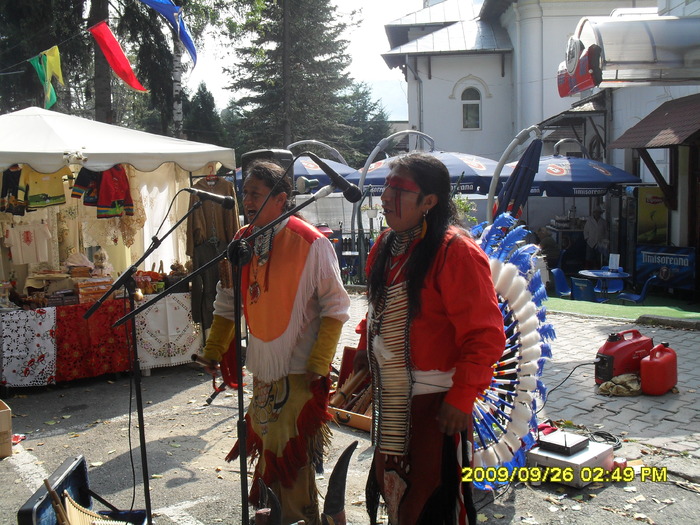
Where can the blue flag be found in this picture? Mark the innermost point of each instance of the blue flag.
(173, 14)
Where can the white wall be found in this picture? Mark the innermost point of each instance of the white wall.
(442, 105)
(679, 7)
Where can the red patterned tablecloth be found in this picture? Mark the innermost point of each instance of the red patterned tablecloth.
(89, 348)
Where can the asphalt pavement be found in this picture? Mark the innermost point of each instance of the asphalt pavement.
(191, 484)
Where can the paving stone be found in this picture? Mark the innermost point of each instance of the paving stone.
(680, 446)
(684, 415)
(637, 428)
(671, 404)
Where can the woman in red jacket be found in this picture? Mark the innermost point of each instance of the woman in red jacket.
(434, 330)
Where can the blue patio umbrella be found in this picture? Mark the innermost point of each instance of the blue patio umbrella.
(516, 190)
(560, 176)
(471, 173)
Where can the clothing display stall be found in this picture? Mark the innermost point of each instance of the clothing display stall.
(209, 230)
(54, 344)
(71, 185)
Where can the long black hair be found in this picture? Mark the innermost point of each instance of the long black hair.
(432, 177)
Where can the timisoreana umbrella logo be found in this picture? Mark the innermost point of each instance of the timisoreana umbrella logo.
(557, 170)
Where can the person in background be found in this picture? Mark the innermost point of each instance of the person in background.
(433, 332)
(549, 247)
(295, 306)
(531, 237)
(595, 232)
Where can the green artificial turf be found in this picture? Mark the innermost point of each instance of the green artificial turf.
(657, 306)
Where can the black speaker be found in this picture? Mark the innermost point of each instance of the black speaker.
(282, 157)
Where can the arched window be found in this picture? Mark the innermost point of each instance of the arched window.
(471, 108)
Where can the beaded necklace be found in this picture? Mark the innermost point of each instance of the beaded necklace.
(262, 248)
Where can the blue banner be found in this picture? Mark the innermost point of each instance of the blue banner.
(674, 265)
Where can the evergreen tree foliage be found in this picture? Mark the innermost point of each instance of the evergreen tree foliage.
(202, 121)
(366, 122)
(27, 29)
(317, 59)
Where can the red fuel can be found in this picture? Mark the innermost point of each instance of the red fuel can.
(659, 370)
(622, 353)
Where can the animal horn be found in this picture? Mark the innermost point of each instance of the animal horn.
(334, 506)
(270, 511)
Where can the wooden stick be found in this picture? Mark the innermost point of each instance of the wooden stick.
(364, 399)
(61, 517)
(353, 381)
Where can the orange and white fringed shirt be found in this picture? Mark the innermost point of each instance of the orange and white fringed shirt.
(285, 298)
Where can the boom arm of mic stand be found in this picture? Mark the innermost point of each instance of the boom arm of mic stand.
(323, 192)
(168, 291)
(127, 274)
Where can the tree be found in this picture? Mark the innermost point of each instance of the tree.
(308, 101)
(28, 28)
(26, 31)
(202, 121)
(366, 122)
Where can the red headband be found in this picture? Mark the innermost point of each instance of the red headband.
(401, 183)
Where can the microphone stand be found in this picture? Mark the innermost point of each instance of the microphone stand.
(239, 254)
(126, 279)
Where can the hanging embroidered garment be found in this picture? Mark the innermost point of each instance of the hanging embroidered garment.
(87, 186)
(39, 190)
(29, 243)
(114, 198)
(9, 202)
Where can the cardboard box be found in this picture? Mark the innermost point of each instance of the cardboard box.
(594, 456)
(5, 430)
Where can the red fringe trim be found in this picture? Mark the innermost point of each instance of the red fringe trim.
(311, 437)
(229, 365)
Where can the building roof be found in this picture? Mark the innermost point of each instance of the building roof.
(579, 110)
(672, 123)
(430, 19)
(466, 37)
(491, 9)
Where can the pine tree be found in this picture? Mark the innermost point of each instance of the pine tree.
(316, 82)
(202, 121)
(366, 122)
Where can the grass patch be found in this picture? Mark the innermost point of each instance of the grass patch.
(654, 305)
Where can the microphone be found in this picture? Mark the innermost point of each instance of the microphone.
(351, 192)
(226, 202)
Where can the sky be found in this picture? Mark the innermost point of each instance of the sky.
(367, 42)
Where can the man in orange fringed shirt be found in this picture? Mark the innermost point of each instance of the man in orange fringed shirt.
(295, 305)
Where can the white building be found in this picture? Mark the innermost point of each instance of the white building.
(478, 72)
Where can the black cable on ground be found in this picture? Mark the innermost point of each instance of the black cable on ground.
(497, 492)
(563, 381)
(602, 436)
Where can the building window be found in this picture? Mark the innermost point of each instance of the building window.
(471, 108)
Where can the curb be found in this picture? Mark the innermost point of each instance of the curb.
(673, 322)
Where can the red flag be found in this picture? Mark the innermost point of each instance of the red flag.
(115, 55)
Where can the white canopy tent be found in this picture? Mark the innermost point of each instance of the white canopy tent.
(47, 141)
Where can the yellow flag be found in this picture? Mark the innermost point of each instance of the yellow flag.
(53, 64)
